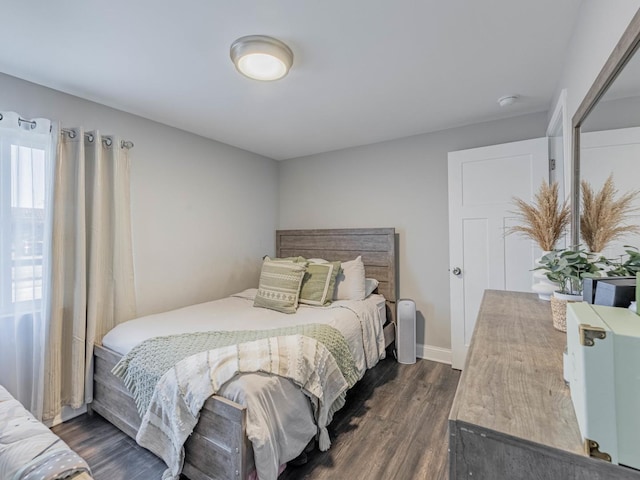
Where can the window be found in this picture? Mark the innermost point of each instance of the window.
(26, 187)
(23, 200)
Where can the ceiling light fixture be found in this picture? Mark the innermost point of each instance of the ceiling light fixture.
(507, 100)
(261, 57)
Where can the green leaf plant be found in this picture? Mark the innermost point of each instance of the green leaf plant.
(627, 265)
(568, 267)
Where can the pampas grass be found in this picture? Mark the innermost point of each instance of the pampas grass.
(545, 220)
(603, 215)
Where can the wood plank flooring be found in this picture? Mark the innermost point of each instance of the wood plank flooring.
(111, 454)
(393, 426)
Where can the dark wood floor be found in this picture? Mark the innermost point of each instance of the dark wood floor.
(111, 454)
(393, 426)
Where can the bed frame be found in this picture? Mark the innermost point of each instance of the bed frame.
(218, 448)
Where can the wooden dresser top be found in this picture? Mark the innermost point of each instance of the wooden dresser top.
(512, 382)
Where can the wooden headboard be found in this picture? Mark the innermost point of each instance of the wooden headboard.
(377, 246)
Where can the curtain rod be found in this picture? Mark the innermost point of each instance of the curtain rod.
(72, 133)
(23, 120)
(108, 141)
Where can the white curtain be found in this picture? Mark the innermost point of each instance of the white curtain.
(26, 180)
(92, 268)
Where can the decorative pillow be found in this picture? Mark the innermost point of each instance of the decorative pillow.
(279, 286)
(285, 259)
(370, 284)
(350, 282)
(319, 283)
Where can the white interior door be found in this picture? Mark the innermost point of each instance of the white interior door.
(482, 183)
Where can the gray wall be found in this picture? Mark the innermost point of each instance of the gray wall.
(203, 213)
(402, 184)
(613, 114)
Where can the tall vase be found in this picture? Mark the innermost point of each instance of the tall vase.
(541, 284)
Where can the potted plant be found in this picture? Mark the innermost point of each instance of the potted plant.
(567, 268)
(624, 268)
(604, 215)
(632, 264)
(544, 221)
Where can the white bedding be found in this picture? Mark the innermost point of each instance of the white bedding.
(279, 417)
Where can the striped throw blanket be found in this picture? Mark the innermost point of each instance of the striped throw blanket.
(181, 392)
(142, 368)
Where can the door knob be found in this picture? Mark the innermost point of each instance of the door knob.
(456, 271)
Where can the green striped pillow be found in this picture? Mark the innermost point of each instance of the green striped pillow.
(319, 283)
(279, 286)
(285, 259)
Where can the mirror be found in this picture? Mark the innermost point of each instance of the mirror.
(606, 131)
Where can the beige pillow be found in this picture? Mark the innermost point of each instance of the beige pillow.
(350, 283)
(279, 286)
(319, 283)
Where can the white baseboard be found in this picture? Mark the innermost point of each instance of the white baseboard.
(436, 354)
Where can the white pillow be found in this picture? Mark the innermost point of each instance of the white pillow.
(350, 284)
(370, 284)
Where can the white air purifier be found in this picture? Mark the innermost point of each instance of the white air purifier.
(406, 331)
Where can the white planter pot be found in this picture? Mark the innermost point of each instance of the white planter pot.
(568, 297)
(541, 284)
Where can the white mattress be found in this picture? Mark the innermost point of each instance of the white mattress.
(280, 422)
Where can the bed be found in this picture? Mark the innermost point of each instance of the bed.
(219, 446)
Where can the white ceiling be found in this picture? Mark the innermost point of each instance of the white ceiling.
(364, 71)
